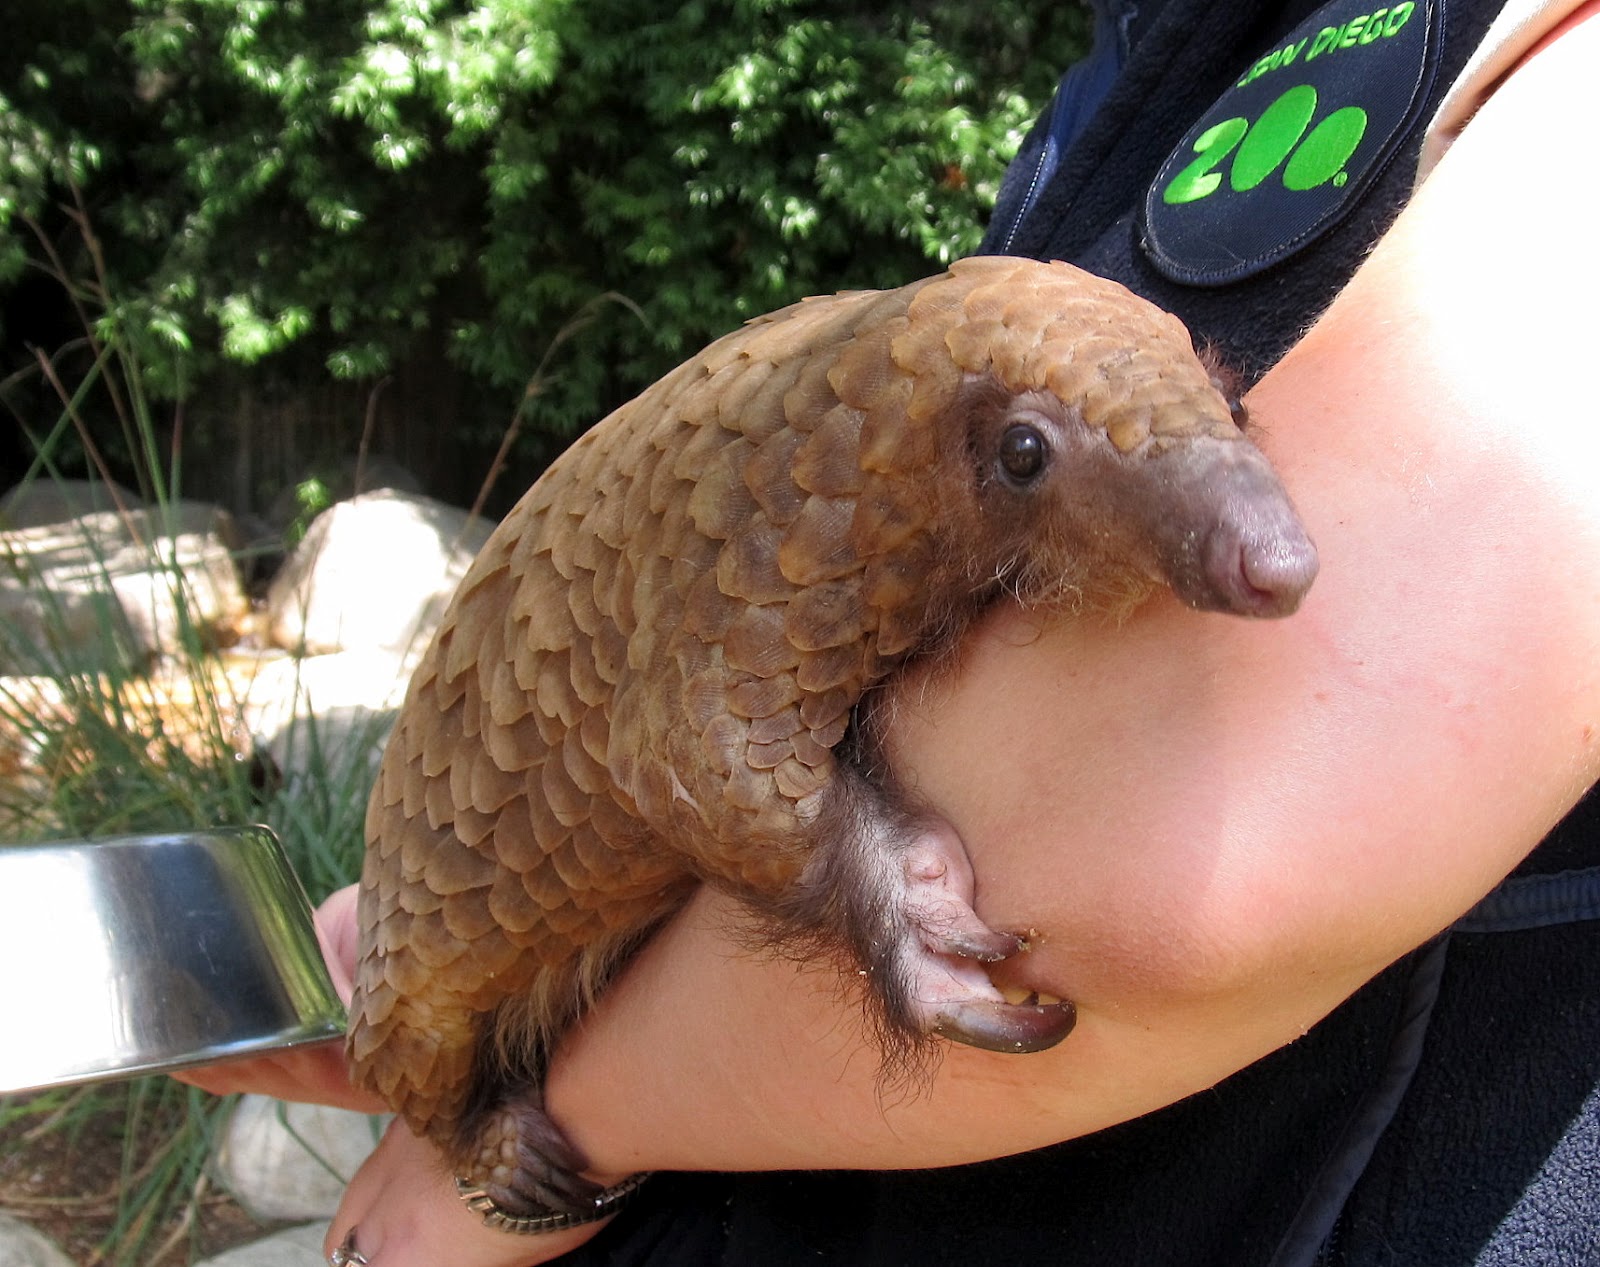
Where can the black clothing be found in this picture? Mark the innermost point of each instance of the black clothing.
(1447, 1114)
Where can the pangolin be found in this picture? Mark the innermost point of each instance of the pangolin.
(644, 682)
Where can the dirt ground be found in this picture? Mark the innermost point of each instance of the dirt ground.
(65, 1183)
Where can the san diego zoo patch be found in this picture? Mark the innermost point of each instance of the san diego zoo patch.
(1292, 145)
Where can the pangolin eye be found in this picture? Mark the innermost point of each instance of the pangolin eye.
(1023, 453)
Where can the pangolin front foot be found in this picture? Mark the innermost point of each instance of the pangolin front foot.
(950, 993)
(907, 905)
(520, 1159)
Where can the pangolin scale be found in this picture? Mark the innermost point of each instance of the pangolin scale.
(643, 682)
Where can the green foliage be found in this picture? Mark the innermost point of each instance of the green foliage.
(356, 176)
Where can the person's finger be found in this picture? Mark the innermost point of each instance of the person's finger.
(315, 1074)
(340, 936)
(402, 1210)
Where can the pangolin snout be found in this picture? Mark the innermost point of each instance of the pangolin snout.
(1261, 573)
(1229, 538)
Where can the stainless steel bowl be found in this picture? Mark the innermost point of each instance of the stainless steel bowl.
(143, 954)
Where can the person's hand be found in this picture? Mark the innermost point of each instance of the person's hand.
(402, 1210)
(317, 1073)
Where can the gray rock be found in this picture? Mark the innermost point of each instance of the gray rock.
(324, 719)
(292, 1161)
(46, 501)
(373, 572)
(111, 588)
(294, 1247)
(24, 1246)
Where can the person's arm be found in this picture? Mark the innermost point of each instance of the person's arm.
(1224, 828)
(1221, 829)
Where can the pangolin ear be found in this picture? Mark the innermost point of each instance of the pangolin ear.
(1228, 381)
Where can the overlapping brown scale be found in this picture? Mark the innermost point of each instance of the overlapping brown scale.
(431, 944)
(667, 487)
(759, 414)
(417, 845)
(968, 344)
(594, 733)
(887, 446)
(587, 683)
(728, 390)
(831, 614)
(821, 671)
(562, 538)
(507, 699)
(417, 899)
(484, 976)
(545, 889)
(767, 756)
(511, 903)
(539, 602)
(768, 474)
(890, 512)
(622, 579)
(816, 546)
(451, 871)
(761, 697)
(702, 447)
(388, 790)
(828, 462)
(567, 801)
(748, 568)
(474, 827)
(557, 696)
(589, 552)
(586, 773)
(607, 869)
(755, 642)
(796, 779)
(521, 828)
(575, 874)
(413, 798)
(864, 372)
(580, 597)
(604, 522)
(748, 788)
(439, 805)
(810, 323)
(708, 694)
(775, 726)
(638, 519)
(810, 397)
(721, 503)
(722, 743)
(708, 613)
(513, 748)
(472, 709)
(810, 751)
(467, 917)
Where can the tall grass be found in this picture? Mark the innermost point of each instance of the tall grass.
(110, 740)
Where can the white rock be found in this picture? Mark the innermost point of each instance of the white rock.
(294, 1247)
(106, 588)
(374, 571)
(24, 1246)
(324, 717)
(292, 1161)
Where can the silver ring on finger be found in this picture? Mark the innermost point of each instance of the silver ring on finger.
(347, 1255)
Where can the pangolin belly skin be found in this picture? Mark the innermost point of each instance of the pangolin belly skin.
(641, 683)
